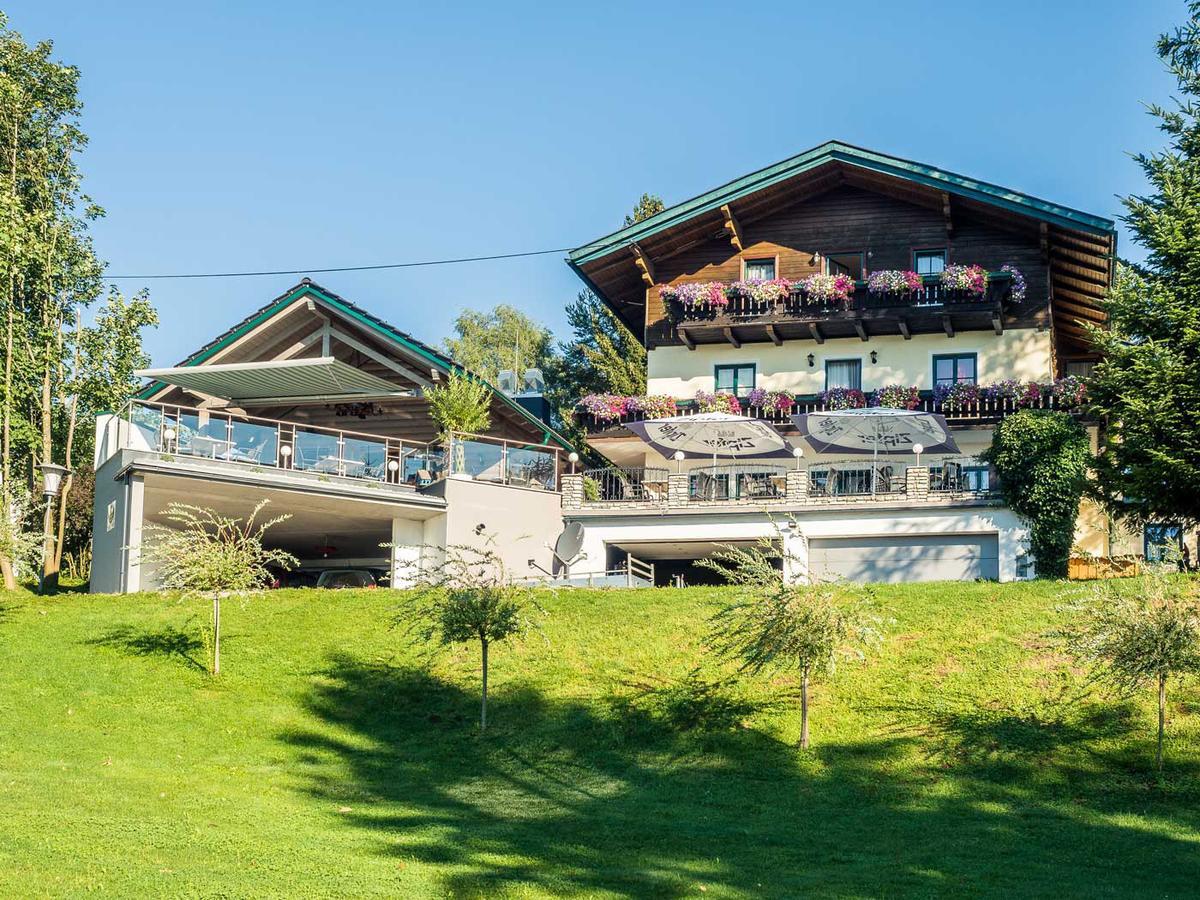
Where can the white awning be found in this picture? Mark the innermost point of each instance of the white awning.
(285, 379)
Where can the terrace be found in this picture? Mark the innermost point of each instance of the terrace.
(233, 442)
(851, 482)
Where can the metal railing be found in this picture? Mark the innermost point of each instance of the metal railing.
(621, 485)
(273, 443)
(857, 477)
(737, 481)
(501, 461)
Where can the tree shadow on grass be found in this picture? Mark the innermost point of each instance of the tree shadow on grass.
(667, 789)
(170, 643)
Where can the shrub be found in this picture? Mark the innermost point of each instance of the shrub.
(894, 281)
(605, 407)
(823, 288)
(461, 404)
(842, 398)
(726, 403)
(968, 279)
(655, 406)
(760, 290)
(895, 396)
(1041, 458)
(696, 293)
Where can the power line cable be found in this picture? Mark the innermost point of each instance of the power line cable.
(403, 265)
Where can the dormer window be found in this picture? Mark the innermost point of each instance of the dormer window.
(845, 264)
(929, 262)
(758, 269)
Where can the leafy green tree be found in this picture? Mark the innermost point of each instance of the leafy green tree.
(503, 338)
(648, 205)
(469, 598)
(204, 553)
(1142, 632)
(1042, 460)
(602, 357)
(1147, 385)
(460, 404)
(49, 272)
(768, 625)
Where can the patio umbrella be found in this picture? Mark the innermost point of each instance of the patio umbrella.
(712, 434)
(875, 430)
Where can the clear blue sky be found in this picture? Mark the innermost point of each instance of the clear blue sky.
(233, 136)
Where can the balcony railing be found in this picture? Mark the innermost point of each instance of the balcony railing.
(272, 443)
(499, 461)
(855, 481)
(797, 305)
(625, 485)
(738, 481)
(982, 411)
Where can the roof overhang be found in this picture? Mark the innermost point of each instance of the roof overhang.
(1085, 244)
(323, 378)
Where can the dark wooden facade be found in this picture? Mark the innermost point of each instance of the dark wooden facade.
(832, 205)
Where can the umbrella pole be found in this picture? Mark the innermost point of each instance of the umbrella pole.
(875, 459)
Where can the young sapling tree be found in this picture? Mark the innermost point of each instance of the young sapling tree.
(1142, 632)
(469, 597)
(204, 553)
(770, 625)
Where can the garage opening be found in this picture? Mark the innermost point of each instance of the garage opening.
(676, 562)
(338, 542)
(949, 557)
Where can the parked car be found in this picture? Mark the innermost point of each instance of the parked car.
(346, 578)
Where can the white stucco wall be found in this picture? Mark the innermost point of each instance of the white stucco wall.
(1024, 354)
(1012, 535)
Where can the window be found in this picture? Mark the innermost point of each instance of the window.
(954, 368)
(1162, 542)
(736, 380)
(1080, 368)
(843, 373)
(845, 264)
(753, 269)
(929, 262)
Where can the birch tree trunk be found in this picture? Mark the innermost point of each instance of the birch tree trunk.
(804, 708)
(483, 708)
(1162, 716)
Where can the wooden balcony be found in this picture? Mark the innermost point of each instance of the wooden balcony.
(933, 309)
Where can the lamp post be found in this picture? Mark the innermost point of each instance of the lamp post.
(52, 479)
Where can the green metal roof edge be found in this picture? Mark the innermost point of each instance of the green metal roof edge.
(831, 151)
(442, 362)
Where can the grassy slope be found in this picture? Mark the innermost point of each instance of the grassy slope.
(325, 761)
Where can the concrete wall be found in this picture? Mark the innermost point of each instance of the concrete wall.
(1024, 354)
(888, 522)
(522, 521)
(116, 529)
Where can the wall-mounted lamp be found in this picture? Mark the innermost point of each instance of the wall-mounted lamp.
(874, 357)
(812, 360)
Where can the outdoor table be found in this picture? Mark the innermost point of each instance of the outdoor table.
(331, 465)
(203, 445)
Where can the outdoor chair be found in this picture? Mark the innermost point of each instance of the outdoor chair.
(757, 486)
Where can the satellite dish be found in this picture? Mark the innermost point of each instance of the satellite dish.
(567, 547)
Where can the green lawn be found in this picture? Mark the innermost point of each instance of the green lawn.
(328, 759)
